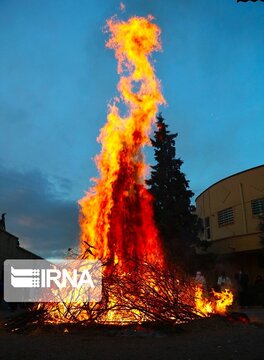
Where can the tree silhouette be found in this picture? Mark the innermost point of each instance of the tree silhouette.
(174, 216)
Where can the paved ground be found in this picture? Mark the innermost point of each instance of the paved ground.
(214, 338)
(256, 315)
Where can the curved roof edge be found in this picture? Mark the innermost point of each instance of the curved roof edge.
(238, 173)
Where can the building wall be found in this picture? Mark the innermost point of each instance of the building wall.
(235, 192)
(10, 249)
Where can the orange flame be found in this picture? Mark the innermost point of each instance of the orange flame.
(116, 214)
(116, 218)
(217, 305)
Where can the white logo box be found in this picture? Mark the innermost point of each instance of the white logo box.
(56, 281)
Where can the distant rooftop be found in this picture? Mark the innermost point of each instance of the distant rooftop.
(228, 177)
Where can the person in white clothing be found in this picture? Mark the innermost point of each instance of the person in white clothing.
(200, 279)
(224, 282)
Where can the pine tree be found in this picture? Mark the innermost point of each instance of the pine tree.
(173, 211)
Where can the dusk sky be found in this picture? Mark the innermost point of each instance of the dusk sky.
(57, 77)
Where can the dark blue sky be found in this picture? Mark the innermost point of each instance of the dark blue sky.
(56, 78)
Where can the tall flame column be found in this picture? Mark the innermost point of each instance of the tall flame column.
(116, 213)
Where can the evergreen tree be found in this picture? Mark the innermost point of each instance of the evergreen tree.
(173, 211)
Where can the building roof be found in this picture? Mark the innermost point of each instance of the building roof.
(228, 177)
(30, 253)
(8, 233)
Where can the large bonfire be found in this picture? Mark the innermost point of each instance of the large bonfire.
(116, 214)
(117, 223)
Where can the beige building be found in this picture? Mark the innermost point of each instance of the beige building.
(230, 211)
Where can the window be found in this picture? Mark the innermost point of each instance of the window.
(207, 228)
(257, 206)
(225, 217)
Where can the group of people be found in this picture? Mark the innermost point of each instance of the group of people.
(239, 286)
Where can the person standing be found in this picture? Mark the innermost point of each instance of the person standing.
(224, 282)
(200, 279)
(242, 285)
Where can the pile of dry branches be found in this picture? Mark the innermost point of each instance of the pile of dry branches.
(148, 293)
